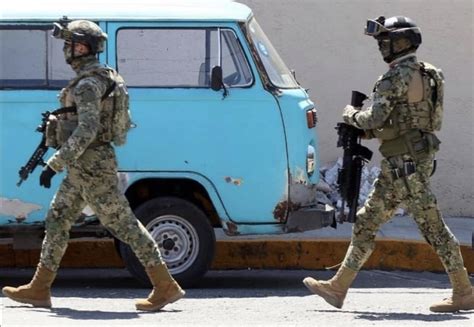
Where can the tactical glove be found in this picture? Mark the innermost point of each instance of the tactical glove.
(46, 176)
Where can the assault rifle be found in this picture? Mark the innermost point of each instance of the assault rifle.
(37, 156)
(354, 158)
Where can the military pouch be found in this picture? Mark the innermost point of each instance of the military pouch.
(415, 143)
(422, 146)
(65, 129)
(433, 142)
(395, 147)
(50, 133)
(388, 132)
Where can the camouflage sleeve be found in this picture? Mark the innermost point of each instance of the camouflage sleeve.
(87, 96)
(388, 90)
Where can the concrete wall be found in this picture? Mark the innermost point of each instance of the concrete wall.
(323, 41)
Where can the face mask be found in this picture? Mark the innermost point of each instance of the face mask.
(384, 48)
(68, 55)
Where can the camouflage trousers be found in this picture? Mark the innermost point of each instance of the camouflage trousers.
(93, 181)
(414, 194)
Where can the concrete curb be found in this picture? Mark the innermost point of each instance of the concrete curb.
(258, 254)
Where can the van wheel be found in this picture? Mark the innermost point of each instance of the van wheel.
(184, 236)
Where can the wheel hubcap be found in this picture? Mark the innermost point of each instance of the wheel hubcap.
(177, 240)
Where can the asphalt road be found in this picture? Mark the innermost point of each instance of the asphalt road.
(105, 297)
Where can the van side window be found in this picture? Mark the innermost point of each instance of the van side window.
(235, 69)
(31, 58)
(164, 57)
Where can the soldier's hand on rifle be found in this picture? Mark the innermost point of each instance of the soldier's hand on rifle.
(348, 115)
(46, 176)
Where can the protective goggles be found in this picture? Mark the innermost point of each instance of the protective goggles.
(375, 27)
(60, 32)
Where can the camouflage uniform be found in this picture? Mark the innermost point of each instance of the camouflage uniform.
(412, 191)
(407, 109)
(95, 114)
(91, 178)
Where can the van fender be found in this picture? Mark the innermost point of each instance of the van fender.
(128, 178)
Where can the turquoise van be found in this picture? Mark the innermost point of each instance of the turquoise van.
(225, 136)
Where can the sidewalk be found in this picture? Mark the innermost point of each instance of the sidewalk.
(399, 246)
(401, 228)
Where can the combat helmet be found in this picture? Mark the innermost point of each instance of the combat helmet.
(82, 31)
(393, 30)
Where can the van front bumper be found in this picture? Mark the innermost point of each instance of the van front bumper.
(309, 218)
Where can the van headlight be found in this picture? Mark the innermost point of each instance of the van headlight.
(310, 163)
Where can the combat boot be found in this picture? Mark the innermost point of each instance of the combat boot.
(37, 292)
(463, 294)
(165, 289)
(334, 290)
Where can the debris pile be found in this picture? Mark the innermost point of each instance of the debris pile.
(328, 187)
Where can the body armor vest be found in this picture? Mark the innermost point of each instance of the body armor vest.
(410, 126)
(113, 111)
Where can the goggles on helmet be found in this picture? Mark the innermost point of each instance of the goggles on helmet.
(376, 26)
(61, 32)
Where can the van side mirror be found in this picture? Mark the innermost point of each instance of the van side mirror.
(216, 78)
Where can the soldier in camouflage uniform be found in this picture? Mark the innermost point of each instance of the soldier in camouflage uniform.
(406, 110)
(89, 158)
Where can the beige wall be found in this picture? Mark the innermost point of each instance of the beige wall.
(323, 41)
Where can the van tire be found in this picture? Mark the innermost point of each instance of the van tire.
(184, 237)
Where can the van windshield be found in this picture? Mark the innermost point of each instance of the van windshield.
(279, 74)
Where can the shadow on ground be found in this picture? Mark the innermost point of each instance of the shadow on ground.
(402, 316)
(117, 283)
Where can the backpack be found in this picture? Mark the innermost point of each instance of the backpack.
(121, 119)
(433, 82)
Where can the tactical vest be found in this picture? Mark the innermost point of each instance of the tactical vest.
(410, 125)
(115, 119)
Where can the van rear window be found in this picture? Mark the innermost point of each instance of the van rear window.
(180, 57)
(31, 58)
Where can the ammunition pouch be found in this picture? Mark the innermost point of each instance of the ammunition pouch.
(65, 129)
(59, 129)
(417, 144)
(50, 134)
(61, 124)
